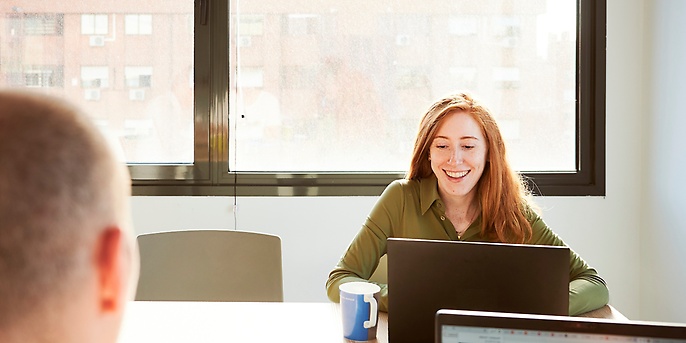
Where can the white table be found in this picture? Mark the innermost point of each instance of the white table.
(205, 322)
(244, 322)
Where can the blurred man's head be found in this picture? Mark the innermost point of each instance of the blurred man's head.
(68, 262)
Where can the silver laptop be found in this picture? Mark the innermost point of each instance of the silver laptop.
(460, 326)
(427, 275)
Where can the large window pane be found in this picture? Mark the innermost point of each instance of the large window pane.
(334, 86)
(136, 82)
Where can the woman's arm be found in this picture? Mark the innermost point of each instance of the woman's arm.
(361, 258)
(358, 264)
(587, 290)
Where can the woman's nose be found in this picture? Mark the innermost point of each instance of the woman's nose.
(455, 157)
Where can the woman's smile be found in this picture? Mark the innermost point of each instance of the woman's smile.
(457, 174)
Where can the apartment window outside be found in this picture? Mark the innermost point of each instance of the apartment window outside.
(95, 77)
(138, 24)
(138, 77)
(251, 77)
(298, 24)
(508, 30)
(94, 24)
(35, 24)
(250, 24)
(464, 75)
(43, 76)
(506, 77)
(462, 25)
(409, 77)
(298, 77)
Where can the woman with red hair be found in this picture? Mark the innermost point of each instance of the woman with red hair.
(459, 186)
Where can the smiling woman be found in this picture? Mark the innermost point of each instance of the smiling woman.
(467, 129)
(458, 157)
(460, 186)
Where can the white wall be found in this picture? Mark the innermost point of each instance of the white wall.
(663, 239)
(642, 266)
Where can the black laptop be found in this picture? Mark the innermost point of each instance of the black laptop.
(427, 275)
(453, 326)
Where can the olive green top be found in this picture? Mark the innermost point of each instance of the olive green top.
(413, 209)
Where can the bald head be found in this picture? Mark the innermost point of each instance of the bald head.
(60, 187)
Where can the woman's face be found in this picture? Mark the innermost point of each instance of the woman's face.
(458, 155)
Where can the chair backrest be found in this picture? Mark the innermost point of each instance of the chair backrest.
(380, 275)
(210, 265)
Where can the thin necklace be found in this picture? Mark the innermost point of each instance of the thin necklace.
(471, 220)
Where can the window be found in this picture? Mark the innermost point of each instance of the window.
(508, 30)
(94, 24)
(251, 77)
(268, 98)
(506, 77)
(138, 77)
(297, 24)
(412, 77)
(464, 75)
(138, 24)
(95, 77)
(298, 77)
(377, 71)
(248, 28)
(461, 25)
(35, 24)
(43, 76)
(249, 24)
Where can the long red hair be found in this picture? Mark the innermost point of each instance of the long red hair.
(501, 192)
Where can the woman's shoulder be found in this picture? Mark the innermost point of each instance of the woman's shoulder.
(530, 209)
(404, 188)
(412, 196)
(530, 212)
(541, 233)
(407, 185)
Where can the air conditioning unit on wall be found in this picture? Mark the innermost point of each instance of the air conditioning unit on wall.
(92, 94)
(244, 41)
(96, 41)
(402, 40)
(137, 94)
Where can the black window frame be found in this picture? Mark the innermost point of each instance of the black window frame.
(210, 175)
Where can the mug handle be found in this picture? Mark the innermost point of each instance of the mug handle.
(373, 310)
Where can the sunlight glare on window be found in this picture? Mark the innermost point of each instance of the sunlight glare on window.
(340, 86)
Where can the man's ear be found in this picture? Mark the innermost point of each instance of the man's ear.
(109, 263)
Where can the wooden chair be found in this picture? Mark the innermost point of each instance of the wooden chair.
(210, 265)
(380, 275)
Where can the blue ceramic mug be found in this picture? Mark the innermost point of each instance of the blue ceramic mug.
(359, 310)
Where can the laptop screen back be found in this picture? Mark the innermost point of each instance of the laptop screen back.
(427, 275)
(453, 326)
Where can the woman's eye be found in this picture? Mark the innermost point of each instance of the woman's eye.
(441, 146)
(468, 147)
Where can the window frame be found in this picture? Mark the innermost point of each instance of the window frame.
(137, 18)
(87, 30)
(210, 175)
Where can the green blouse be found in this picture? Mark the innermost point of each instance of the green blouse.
(413, 209)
